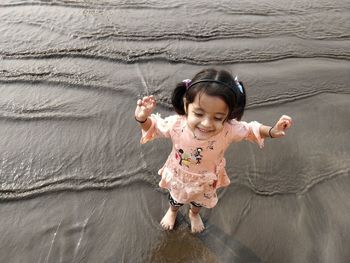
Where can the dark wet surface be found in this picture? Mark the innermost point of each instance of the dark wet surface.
(76, 185)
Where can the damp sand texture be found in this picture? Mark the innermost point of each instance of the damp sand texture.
(76, 185)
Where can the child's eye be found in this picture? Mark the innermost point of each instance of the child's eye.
(218, 119)
(197, 114)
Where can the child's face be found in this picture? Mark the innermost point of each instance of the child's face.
(206, 115)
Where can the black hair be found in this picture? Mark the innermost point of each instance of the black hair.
(230, 92)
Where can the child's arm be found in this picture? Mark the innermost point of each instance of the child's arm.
(278, 130)
(144, 108)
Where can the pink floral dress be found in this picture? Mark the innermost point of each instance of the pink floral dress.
(196, 168)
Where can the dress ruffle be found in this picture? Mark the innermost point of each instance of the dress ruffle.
(254, 133)
(186, 187)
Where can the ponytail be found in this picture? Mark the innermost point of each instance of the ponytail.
(177, 98)
(238, 110)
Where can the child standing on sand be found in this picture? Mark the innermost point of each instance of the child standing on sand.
(209, 110)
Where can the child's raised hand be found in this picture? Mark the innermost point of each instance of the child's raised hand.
(281, 126)
(145, 107)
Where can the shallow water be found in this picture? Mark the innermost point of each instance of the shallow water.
(76, 185)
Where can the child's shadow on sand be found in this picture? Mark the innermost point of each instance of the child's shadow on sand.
(212, 245)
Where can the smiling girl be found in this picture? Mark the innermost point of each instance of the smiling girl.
(209, 110)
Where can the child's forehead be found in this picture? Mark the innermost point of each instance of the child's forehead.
(208, 103)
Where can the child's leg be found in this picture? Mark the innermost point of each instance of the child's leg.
(197, 225)
(168, 220)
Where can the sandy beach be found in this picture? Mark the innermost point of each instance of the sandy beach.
(77, 186)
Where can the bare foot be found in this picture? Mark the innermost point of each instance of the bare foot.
(168, 220)
(197, 225)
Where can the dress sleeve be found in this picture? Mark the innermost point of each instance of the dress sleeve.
(160, 128)
(239, 130)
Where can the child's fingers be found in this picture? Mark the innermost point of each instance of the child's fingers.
(286, 118)
(154, 102)
(145, 105)
(142, 102)
(284, 122)
(149, 102)
(148, 99)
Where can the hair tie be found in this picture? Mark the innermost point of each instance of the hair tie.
(187, 82)
(239, 86)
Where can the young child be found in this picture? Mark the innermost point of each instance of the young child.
(209, 110)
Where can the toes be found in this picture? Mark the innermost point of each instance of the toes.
(168, 221)
(166, 226)
(197, 230)
(197, 225)
(163, 226)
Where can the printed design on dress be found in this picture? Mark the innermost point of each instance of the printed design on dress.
(211, 145)
(207, 195)
(213, 184)
(210, 195)
(186, 159)
(197, 155)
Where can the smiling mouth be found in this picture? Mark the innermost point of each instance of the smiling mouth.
(204, 131)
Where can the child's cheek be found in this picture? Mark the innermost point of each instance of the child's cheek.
(219, 126)
(191, 121)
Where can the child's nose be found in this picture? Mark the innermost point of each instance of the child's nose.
(206, 122)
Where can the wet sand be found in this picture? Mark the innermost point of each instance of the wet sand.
(76, 185)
